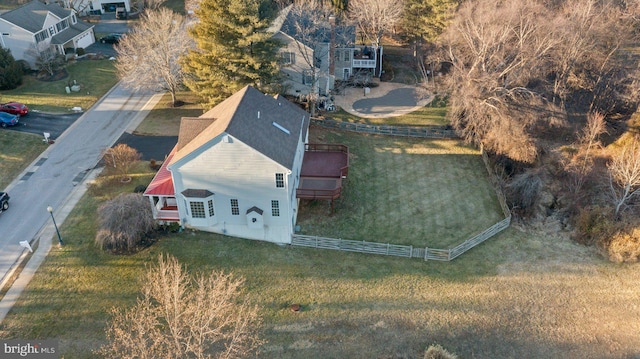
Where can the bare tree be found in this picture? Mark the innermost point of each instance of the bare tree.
(588, 33)
(375, 17)
(183, 316)
(45, 58)
(495, 48)
(581, 163)
(309, 21)
(149, 55)
(120, 158)
(124, 222)
(80, 6)
(624, 174)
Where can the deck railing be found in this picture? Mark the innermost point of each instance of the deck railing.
(318, 193)
(366, 64)
(330, 147)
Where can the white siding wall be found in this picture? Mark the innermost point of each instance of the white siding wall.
(236, 171)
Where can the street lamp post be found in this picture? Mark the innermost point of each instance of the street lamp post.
(50, 210)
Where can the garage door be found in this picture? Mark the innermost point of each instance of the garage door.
(85, 41)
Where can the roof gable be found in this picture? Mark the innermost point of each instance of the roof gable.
(32, 16)
(269, 125)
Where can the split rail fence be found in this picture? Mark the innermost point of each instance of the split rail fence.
(398, 250)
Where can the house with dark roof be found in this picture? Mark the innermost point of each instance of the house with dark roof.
(316, 54)
(36, 28)
(239, 169)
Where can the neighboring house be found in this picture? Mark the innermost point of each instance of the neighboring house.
(95, 7)
(37, 29)
(238, 169)
(331, 51)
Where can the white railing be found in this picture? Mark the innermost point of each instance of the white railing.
(367, 64)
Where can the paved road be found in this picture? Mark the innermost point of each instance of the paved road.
(52, 177)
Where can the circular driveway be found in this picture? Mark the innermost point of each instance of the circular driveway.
(388, 99)
(388, 104)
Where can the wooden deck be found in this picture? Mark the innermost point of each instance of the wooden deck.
(323, 169)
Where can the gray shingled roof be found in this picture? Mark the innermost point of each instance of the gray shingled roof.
(69, 33)
(31, 16)
(249, 115)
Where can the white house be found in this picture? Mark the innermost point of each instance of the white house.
(37, 27)
(241, 168)
(96, 7)
(236, 168)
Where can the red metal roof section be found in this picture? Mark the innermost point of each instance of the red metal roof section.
(162, 183)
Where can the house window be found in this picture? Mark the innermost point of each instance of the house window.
(308, 77)
(73, 19)
(52, 31)
(62, 25)
(279, 180)
(42, 35)
(347, 55)
(211, 213)
(275, 208)
(288, 57)
(197, 209)
(235, 209)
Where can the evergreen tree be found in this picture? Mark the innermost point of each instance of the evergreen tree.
(424, 20)
(232, 50)
(10, 70)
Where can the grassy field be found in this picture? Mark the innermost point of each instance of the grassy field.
(427, 116)
(164, 120)
(19, 150)
(432, 193)
(519, 295)
(95, 78)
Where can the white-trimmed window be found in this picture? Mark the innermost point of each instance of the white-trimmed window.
(42, 35)
(235, 208)
(275, 208)
(308, 77)
(210, 205)
(287, 57)
(279, 180)
(197, 209)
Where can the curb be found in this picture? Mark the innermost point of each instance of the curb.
(44, 236)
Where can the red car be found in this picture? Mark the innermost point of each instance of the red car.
(15, 108)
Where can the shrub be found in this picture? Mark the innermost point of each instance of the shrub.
(523, 191)
(10, 71)
(80, 51)
(124, 223)
(594, 225)
(623, 246)
(120, 158)
(436, 351)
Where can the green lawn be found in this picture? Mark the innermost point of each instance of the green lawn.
(18, 150)
(431, 115)
(95, 78)
(517, 295)
(425, 193)
(164, 120)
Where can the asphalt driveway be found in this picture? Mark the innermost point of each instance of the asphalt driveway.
(38, 123)
(149, 147)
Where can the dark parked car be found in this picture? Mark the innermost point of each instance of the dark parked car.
(7, 119)
(15, 108)
(111, 39)
(4, 201)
